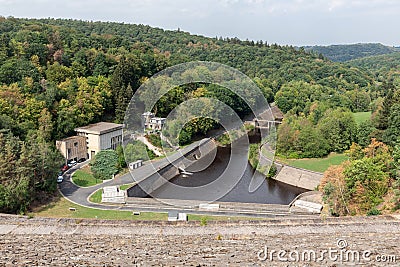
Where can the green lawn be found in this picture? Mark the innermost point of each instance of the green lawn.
(85, 178)
(125, 186)
(96, 197)
(361, 116)
(60, 208)
(319, 164)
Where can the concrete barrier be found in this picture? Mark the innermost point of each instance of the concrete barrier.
(301, 178)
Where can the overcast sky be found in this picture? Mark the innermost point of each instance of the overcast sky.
(295, 22)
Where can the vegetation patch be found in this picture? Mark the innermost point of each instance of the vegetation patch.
(125, 186)
(361, 117)
(62, 208)
(85, 178)
(96, 196)
(318, 164)
(155, 140)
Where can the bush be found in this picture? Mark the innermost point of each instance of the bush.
(203, 221)
(105, 164)
(374, 212)
(272, 171)
(184, 138)
(155, 140)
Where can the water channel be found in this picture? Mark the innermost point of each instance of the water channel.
(269, 192)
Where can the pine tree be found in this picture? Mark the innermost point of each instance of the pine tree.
(382, 119)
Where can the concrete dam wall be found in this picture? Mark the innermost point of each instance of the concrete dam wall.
(165, 174)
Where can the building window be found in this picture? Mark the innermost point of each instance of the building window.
(116, 141)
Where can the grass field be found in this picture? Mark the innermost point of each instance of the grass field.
(85, 178)
(125, 186)
(60, 208)
(361, 116)
(96, 197)
(317, 165)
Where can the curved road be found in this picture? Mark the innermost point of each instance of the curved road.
(80, 195)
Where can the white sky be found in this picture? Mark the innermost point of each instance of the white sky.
(295, 22)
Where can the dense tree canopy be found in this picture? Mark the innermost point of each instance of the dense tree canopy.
(56, 75)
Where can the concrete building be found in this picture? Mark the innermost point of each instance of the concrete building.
(101, 136)
(73, 148)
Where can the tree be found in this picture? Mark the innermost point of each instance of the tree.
(357, 186)
(383, 112)
(121, 157)
(334, 190)
(57, 73)
(392, 132)
(125, 77)
(310, 142)
(339, 128)
(295, 95)
(360, 100)
(105, 164)
(365, 133)
(136, 150)
(396, 174)
(27, 171)
(122, 101)
(299, 138)
(367, 183)
(15, 70)
(285, 138)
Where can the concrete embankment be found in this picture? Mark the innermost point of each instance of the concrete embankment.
(301, 178)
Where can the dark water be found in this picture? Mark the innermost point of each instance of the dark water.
(269, 192)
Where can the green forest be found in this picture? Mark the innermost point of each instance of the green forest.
(342, 53)
(56, 75)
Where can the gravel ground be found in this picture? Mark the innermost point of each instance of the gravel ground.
(69, 242)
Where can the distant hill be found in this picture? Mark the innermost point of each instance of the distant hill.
(342, 53)
(382, 64)
(81, 41)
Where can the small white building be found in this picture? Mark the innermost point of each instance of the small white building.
(136, 164)
(174, 216)
(152, 122)
(101, 136)
(112, 194)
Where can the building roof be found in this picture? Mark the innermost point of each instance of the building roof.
(100, 128)
(277, 113)
(71, 138)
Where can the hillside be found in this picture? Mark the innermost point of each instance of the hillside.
(383, 64)
(56, 75)
(279, 63)
(342, 53)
